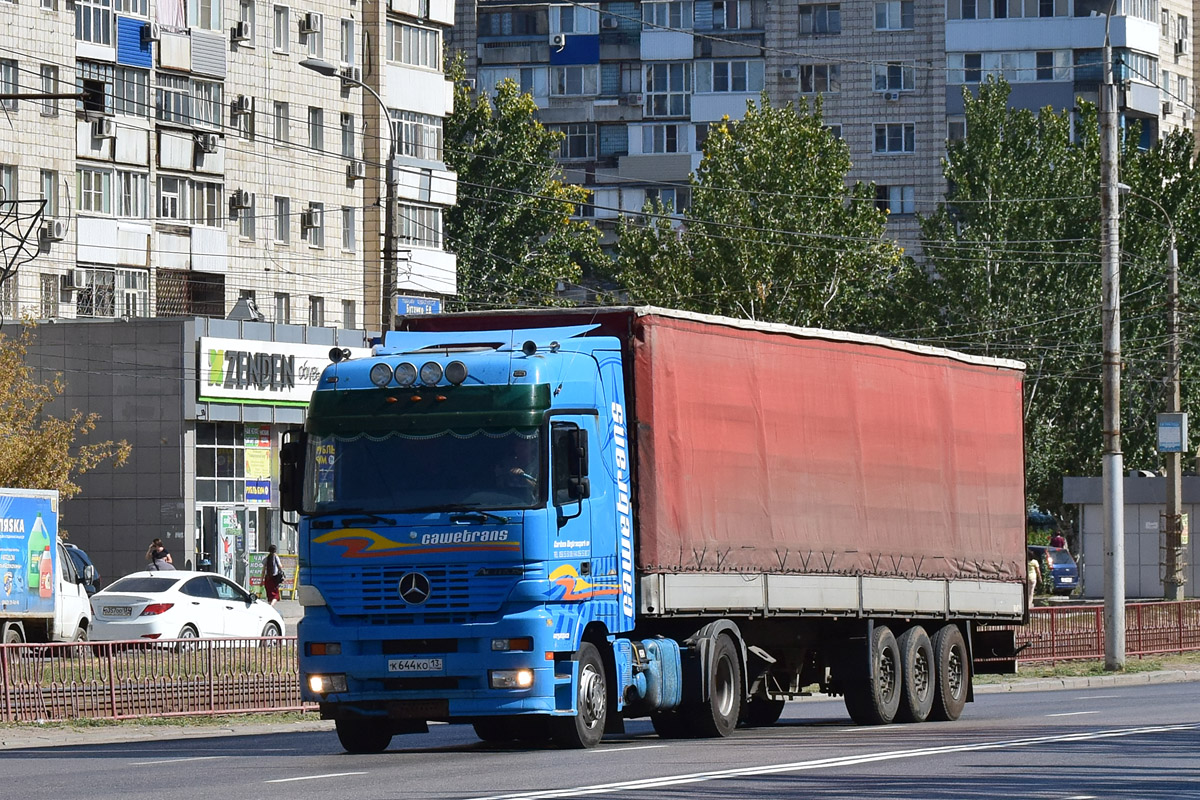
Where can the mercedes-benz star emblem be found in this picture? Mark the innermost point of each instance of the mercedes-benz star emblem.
(414, 588)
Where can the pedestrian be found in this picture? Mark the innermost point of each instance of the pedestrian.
(157, 556)
(1058, 540)
(272, 575)
(1033, 577)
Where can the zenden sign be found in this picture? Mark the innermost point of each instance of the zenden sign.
(267, 373)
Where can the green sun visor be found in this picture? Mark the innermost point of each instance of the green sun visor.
(427, 409)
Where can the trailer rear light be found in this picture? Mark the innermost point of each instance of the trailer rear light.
(510, 678)
(431, 373)
(155, 608)
(381, 375)
(523, 643)
(324, 684)
(324, 648)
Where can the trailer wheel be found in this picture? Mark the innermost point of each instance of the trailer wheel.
(763, 713)
(917, 671)
(364, 734)
(719, 714)
(875, 699)
(953, 676)
(12, 635)
(586, 728)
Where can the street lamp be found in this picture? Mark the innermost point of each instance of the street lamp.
(390, 248)
(1173, 580)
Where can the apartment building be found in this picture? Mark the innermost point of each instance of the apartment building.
(634, 85)
(202, 161)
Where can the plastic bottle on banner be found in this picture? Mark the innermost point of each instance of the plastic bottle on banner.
(45, 574)
(39, 540)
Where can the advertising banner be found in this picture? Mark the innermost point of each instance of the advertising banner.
(267, 373)
(257, 463)
(291, 564)
(28, 550)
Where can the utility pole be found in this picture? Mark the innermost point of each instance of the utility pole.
(1173, 580)
(1112, 472)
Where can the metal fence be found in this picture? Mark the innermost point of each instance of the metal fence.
(1067, 633)
(169, 678)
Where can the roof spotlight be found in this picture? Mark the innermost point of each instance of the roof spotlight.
(406, 374)
(431, 373)
(529, 348)
(456, 372)
(381, 375)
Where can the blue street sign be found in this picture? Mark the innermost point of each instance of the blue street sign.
(413, 306)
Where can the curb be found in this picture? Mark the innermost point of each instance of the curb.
(1088, 681)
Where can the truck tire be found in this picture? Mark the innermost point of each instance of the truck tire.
(952, 673)
(763, 713)
(874, 700)
(916, 671)
(364, 734)
(12, 635)
(585, 729)
(718, 715)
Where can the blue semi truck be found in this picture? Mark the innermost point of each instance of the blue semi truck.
(543, 523)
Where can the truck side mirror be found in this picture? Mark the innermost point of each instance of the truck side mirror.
(577, 464)
(579, 488)
(291, 471)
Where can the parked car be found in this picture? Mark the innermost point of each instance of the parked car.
(1063, 572)
(82, 562)
(179, 604)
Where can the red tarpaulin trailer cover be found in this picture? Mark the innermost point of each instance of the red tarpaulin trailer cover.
(773, 451)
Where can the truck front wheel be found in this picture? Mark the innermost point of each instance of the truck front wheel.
(586, 728)
(364, 734)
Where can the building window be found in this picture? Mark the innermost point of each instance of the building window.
(818, 18)
(972, 67)
(221, 462)
(895, 137)
(673, 15)
(173, 198)
(573, 81)
(895, 76)
(575, 19)
(316, 128)
(49, 183)
(668, 90)
(348, 42)
(8, 297)
(9, 83)
(283, 308)
(94, 21)
(95, 82)
(282, 124)
(314, 228)
(835, 130)
(731, 15)
(349, 315)
(895, 199)
(246, 17)
(8, 183)
(93, 188)
(246, 219)
(173, 98)
(956, 130)
(417, 135)
(207, 105)
(132, 95)
(316, 42)
(133, 292)
(316, 311)
(1045, 65)
(206, 204)
(48, 307)
(205, 14)
(283, 217)
(49, 74)
(140, 8)
(820, 78)
(965, 8)
(133, 200)
(281, 31)
(106, 292)
(894, 15)
(347, 125)
(673, 198)
(414, 46)
(420, 226)
(349, 234)
(664, 139)
(578, 142)
(729, 76)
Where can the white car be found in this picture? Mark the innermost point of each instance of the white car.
(175, 604)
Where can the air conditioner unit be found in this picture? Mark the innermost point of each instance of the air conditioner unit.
(351, 76)
(610, 23)
(1168, 109)
(240, 199)
(310, 23)
(54, 230)
(66, 283)
(1188, 115)
(104, 128)
(891, 95)
(558, 40)
(151, 32)
(632, 99)
(356, 170)
(207, 142)
(310, 218)
(241, 32)
(1181, 47)
(243, 105)
(788, 73)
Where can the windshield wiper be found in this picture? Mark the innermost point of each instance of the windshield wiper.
(478, 516)
(367, 516)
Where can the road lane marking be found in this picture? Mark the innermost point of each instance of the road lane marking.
(1094, 697)
(1072, 713)
(827, 763)
(173, 760)
(633, 747)
(315, 777)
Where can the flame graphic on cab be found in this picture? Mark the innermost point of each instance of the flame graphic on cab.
(363, 543)
(576, 588)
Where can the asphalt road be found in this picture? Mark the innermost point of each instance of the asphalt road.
(1126, 742)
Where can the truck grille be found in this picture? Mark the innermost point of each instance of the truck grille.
(457, 593)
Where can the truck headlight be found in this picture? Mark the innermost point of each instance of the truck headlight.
(510, 678)
(324, 684)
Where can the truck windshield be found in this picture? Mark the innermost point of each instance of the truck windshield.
(435, 471)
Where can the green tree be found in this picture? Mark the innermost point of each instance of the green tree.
(39, 450)
(511, 229)
(1013, 263)
(772, 234)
